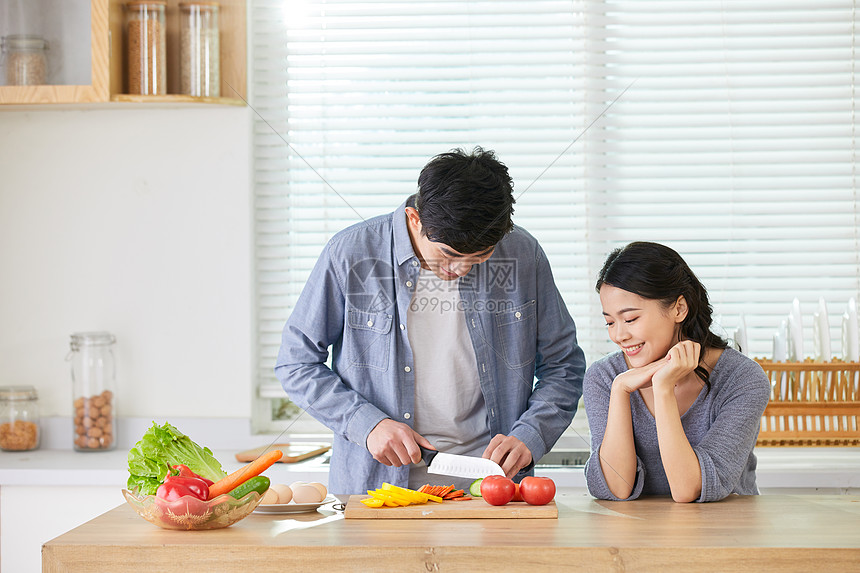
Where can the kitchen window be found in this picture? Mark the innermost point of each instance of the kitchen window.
(725, 129)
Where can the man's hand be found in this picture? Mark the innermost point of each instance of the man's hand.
(509, 452)
(395, 444)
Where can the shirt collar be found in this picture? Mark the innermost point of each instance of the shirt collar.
(403, 250)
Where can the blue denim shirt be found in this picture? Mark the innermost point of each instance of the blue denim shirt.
(355, 302)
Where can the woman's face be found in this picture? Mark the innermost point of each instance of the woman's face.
(643, 328)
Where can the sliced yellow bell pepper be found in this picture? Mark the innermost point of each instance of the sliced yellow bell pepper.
(420, 497)
(389, 496)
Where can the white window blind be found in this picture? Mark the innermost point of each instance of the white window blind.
(735, 142)
(736, 146)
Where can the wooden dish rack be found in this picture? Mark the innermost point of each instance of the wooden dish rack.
(811, 404)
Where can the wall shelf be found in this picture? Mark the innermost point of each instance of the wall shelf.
(108, 62)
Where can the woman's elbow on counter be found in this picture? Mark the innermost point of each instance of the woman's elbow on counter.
(621, 493)
(686, 496)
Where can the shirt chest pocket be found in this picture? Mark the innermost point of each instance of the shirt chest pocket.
(517, 332)
(368, 344)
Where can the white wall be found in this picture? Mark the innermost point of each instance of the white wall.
(135, 220)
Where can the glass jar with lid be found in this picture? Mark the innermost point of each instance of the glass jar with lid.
(146, 47)
(25, 59)
(93, 384)
(199, 51)
(19, 418)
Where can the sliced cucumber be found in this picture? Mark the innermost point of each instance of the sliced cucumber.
(475, 488)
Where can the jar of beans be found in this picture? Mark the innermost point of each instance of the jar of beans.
(146, 47)
(93, 399)
(19, 418)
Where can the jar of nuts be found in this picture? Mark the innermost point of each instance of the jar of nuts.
(19, 418)
(199, 52)
(25, 60)
(93, 399)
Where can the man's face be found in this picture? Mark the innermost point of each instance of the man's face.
(445, 262)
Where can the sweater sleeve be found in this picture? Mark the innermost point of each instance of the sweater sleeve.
(596, 391)
(725, 450)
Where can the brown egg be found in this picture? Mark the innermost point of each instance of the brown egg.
(271, 496)
(285, 493)
(321, 488)
(306, 494)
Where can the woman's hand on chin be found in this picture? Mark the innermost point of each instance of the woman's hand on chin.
(633, 379)
(683, 358)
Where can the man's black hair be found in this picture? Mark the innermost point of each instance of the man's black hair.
(465, 200)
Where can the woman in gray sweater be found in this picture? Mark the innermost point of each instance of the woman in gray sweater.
(675, 411)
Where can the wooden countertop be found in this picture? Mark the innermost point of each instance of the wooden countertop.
(751, 533)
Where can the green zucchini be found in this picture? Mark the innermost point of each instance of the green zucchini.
(257, 483)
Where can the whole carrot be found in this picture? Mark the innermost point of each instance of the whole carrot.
(243, 474)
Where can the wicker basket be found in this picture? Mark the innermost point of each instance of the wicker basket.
(812, 404)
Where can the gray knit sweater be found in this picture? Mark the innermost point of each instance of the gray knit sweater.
(721, 426)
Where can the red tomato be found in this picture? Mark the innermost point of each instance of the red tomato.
(517, 495)
(497, 490)
(537, 490)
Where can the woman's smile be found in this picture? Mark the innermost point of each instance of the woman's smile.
(633, 350)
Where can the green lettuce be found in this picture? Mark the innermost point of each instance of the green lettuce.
(163, 446)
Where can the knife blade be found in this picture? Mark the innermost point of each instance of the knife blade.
(459, 466)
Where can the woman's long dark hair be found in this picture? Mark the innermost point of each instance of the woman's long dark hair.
(656, 272)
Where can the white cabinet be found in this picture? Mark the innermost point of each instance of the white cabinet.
(32, 515)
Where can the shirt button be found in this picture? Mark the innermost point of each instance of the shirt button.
(402, 327)
(407, 369)
(518, 314)
(409, 284)
(414, 263)
(407, 415)
(369, 323)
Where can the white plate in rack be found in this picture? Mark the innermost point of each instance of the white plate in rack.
(293, 507)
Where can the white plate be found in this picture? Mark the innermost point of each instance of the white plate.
(293, 507)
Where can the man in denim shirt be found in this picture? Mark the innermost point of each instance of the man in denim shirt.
(447, 331)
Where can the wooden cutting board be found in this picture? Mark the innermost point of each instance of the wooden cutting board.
(475, 508)
(295, 452)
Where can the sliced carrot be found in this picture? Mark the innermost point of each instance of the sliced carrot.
(453, 494)
(446, 490)
(461, 498)
(243, 474)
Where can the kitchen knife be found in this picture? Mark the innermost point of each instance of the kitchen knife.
(459, 466)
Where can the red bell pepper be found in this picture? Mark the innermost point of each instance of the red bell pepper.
(185, 471)
(186, 482)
